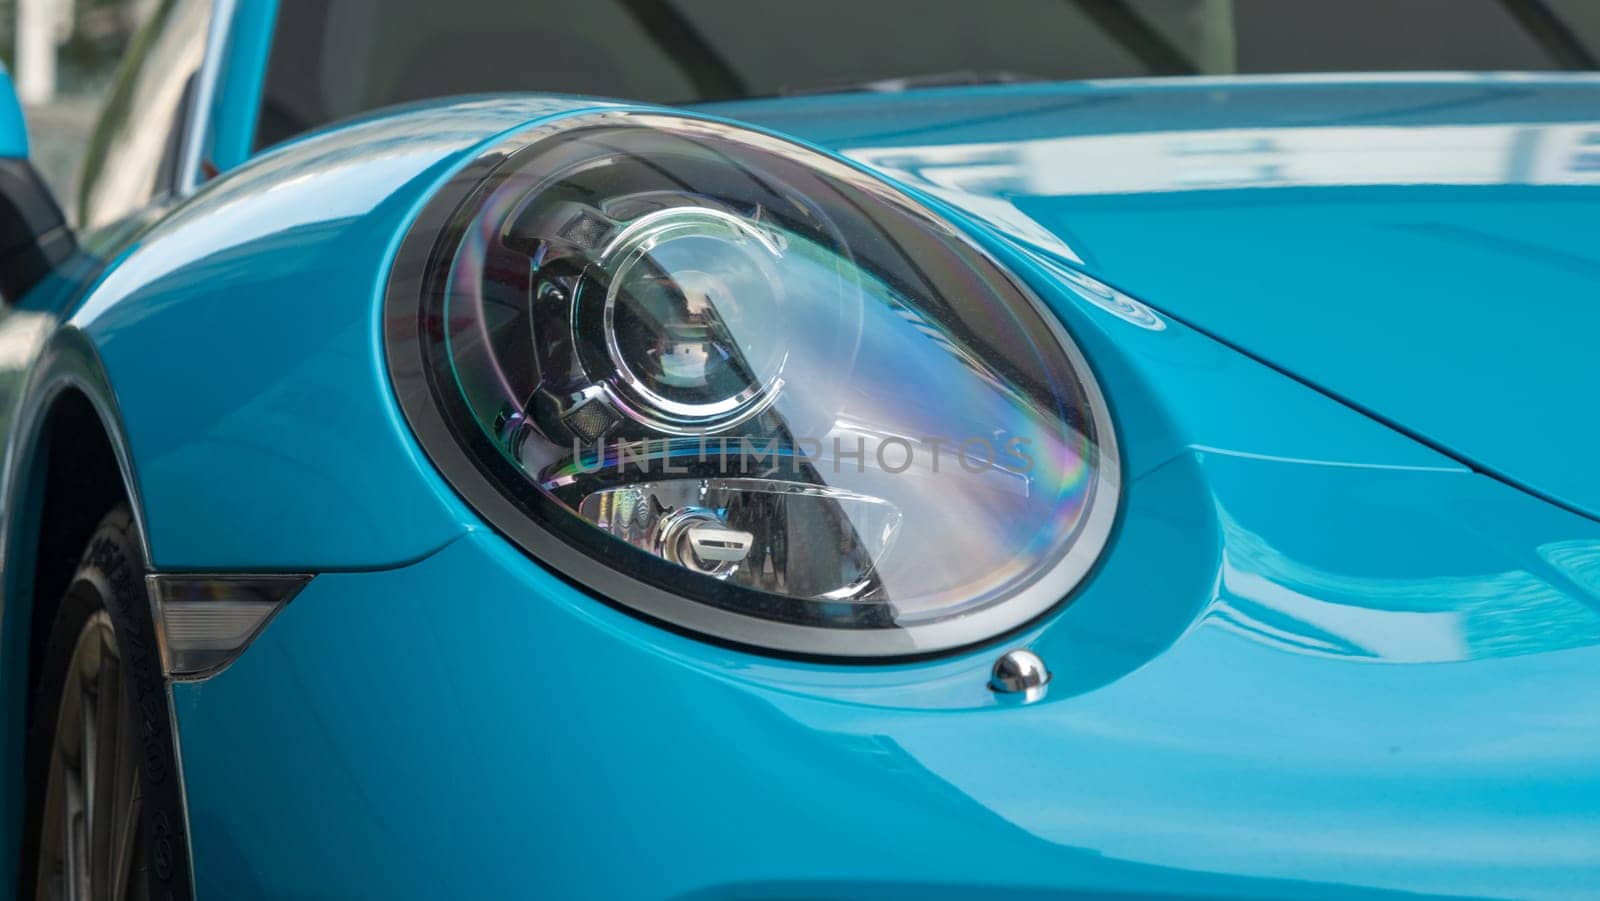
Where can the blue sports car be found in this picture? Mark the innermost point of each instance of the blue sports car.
(703, 449)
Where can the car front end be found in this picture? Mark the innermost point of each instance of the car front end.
(1305, 651)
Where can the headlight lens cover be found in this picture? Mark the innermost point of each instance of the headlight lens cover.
(737, 386)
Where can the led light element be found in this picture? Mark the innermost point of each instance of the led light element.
(204, 622)
(741, 387)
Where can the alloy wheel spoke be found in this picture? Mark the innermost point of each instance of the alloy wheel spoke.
(91, 844)
(79, 800)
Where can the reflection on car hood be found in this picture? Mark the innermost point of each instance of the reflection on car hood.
(1425, 247)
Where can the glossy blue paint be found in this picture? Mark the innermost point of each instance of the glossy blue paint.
(270, 410)
(1320, 659)
(1422, 247)
(1290, 680)
(13, 131)
(237, 102)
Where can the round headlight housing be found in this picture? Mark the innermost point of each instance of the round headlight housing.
(739, 387)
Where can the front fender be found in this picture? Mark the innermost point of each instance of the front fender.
(241, 340)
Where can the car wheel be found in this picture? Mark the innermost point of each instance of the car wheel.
(107, 816)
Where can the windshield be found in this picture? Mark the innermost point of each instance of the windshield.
(335, 58)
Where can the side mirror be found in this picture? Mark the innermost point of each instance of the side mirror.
(34, 237)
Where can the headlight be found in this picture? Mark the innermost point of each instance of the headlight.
(741, 388)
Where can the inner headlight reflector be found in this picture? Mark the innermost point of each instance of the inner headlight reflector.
(737, 386)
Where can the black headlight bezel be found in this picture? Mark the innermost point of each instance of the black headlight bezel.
(477, 471)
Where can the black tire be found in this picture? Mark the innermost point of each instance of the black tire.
(111, 578)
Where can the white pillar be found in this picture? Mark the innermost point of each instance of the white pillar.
(66, 13)
(36, 51)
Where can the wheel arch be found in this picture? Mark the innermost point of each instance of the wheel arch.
(69, 466)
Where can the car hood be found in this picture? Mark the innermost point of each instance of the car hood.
(1425, 248)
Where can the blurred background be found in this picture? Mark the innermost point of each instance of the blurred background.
(62, 55)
